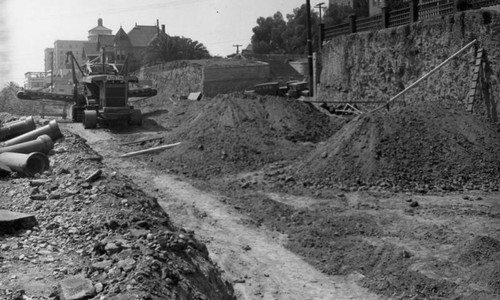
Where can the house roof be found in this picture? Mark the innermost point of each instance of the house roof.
(141, 35)
(121, 37)
(99, 26)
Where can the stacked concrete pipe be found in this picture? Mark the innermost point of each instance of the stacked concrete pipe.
(41, 144)
(51, 129)
(15, 128)
(26, 152)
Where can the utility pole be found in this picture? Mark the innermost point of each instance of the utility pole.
(309, 48)
(320, 7)
(237, 48)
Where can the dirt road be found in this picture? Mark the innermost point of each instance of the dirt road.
(251, 257)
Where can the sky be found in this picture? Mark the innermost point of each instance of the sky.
(27, 27)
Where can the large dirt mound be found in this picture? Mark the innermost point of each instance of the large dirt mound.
(10, 103)
(235, 132)
(422, 146)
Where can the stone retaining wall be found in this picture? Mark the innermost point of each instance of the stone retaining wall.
(183, 77)
(377, 65)
(174, 79)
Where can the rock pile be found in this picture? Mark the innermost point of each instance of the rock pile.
(98, 235)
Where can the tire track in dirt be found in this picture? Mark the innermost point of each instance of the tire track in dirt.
(254, 260)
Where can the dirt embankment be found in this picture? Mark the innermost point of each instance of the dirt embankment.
(104, 234)
(235, 132)
(10, 105)
(419, 147)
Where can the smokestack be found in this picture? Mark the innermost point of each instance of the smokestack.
(163, 28)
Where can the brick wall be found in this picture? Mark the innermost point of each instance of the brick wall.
(378, 65)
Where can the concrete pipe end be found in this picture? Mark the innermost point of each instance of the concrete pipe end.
(55, 132)
(36, 163)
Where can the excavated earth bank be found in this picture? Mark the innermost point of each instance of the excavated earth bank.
(422, 147)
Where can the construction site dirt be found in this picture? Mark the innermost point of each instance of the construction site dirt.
(264, 198)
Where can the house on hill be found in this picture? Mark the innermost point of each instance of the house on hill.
(122, 46)
(101, 40)
(116, 48)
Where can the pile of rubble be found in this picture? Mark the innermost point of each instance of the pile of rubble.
(79, 230)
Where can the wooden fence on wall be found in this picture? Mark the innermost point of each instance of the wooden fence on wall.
(402, 14)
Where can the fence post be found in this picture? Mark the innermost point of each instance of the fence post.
(413, 11)
(321, 35)
(385, 15)
(352, 21)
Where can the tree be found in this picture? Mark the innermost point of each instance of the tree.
(167, 48)
(274, 35)
(267, 35)
(295, 35)
(13, 86)
(337, 14)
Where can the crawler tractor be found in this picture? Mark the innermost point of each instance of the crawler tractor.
(102, 94)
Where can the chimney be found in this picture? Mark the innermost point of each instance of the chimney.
(99, 22)
(163, 28)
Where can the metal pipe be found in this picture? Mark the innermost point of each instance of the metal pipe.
(42, 144)
(13, 129)
(425, 76)
(150, 150)
(51, 129)
(27, 164)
